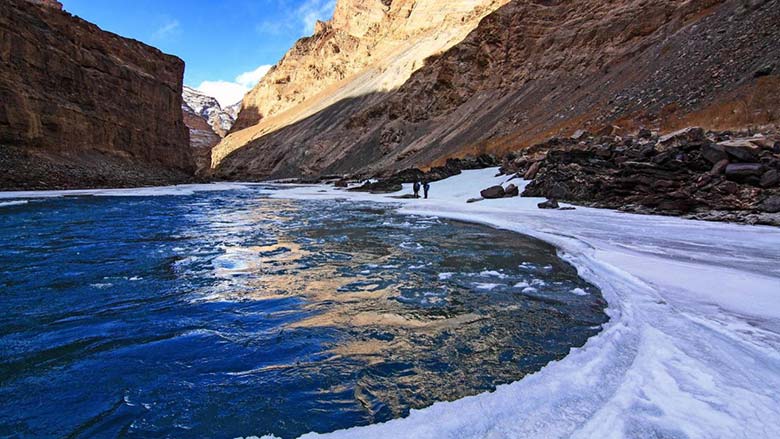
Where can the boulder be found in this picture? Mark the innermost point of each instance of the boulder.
(341, 183)
(579, 135)
(474, 200)
(741, 149)
(762, 141)
(380, 187)
(719, 167)
(771, 178)
(741, 170)
(511, 191)
(771, 204)
(644, 133)
(681, 137)
(493, 192)
(530, 174)
(552, 203)
(713, 153)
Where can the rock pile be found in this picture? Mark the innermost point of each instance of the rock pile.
(707, 175)
(453, 166)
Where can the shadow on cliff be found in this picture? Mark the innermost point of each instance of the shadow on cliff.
(465, 101)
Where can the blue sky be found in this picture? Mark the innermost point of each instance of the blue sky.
(227, 44)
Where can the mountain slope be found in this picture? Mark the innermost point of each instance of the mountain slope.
(370, 46)
(528, 71)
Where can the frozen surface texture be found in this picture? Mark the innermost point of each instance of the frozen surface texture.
(691, 349)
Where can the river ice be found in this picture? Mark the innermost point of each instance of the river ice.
(692, 348)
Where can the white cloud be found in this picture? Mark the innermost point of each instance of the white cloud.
(231, 92)
(249, 79)
(301, 19)
(312, 10)
(168, 29)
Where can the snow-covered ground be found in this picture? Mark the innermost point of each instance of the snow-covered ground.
(692, 348)
(182, 189)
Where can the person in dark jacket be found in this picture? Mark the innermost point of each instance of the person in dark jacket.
(426, 187)
(416, 188)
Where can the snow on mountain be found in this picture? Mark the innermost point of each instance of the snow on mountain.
(220, 120)
(233, 110)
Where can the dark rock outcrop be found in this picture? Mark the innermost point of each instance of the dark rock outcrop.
(552, 203)
(771, 204)
(493, 192)
(80, 107)
(511, 191)
(668, 175)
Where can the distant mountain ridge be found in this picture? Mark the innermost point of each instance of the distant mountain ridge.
(393, 84)
(220, 120)
(208, 123)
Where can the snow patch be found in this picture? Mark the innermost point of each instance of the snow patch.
(184, 189)
(579, 292)
(493, 273)
(486, 286)
(13, 203)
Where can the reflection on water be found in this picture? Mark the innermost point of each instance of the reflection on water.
(227, 314)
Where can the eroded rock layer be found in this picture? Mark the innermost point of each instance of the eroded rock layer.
(529, 71)
(81, 107)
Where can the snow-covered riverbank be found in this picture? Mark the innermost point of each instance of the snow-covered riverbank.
(692, 348)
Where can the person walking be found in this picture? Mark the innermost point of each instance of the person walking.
(426, 187)
(416, 188)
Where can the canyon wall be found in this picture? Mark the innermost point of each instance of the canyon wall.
(207, 122)
(81, 107)
(522, 72)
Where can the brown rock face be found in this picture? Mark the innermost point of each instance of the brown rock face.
(202, 138)
(48, 3)
(528, 71)
(81, 107)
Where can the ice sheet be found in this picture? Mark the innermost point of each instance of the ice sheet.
(692, 348)
(184, 189)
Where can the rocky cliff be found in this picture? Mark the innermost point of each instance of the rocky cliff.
(81, 107)
(527, 71)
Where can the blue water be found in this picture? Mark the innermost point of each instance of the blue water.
(224, 314)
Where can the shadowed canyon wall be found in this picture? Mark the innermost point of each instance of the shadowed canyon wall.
(527, 71)
(81, 107)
